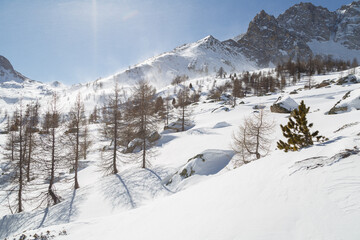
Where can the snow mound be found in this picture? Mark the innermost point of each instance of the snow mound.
(283, 105)
(349, 79)
(350, 101)
(208, 162)
(321, 161)
(222, 125)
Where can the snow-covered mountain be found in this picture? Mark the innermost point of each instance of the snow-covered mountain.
(268, 40)
(196, 59)
(16, 88)
(302, 30)
(8, 73)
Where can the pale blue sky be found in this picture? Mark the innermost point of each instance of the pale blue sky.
(81, 40)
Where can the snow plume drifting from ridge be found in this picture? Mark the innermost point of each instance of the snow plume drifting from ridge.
(197, 59)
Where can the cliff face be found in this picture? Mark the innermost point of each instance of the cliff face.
(8, 73)
(270, 40)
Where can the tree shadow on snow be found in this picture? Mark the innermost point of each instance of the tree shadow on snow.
(61, 213)
(133, 187)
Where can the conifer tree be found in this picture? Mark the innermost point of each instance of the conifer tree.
(297, 131)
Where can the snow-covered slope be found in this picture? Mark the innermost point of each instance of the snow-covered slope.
(201, 58)
(310, 194)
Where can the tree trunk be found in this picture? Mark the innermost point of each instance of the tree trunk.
(183, 118)
(76, 186)
(55, 199)
(115, 171)
(20, 207)
(29, 157)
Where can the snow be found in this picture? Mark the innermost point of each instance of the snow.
(208, 162)
(287, 102)
(222, 125)
(310, 194)
(352, 102)
(336, 49)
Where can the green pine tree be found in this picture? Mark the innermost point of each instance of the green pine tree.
(297, 131)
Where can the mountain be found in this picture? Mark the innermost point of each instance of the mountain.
(16, 88)
(303, 30)
(8, 73)
(196, 59)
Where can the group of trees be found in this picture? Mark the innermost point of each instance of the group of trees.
(257, 83)
(128, 119)
(253, 139)
(39, 147)
(312, 65)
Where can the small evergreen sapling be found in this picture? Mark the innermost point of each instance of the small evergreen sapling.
(297, 131)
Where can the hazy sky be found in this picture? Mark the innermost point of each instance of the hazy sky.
(81, 40)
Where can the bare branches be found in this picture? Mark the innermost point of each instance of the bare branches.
(252, 140)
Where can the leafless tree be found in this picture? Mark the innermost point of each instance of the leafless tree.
(53, 151)
(31, 138)
(77, 119)
(252, 140)
(183, 102)
(86, 141)
(144, 119)
(15, 154)
(112, 130)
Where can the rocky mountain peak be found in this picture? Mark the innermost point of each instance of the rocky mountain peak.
(261, 18)
(300, 17)
(7, 72)
(266, 41)
(299, 30)
(348, 27)
(354, 6)
(208, 41)
(5, 64)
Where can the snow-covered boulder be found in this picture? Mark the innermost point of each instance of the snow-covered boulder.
(325, 83)
(283, 105)
(154, 136)
(177, 126)
(208, 162)
(220, 109)
(351, 100)
(348, 80)
(136, 143)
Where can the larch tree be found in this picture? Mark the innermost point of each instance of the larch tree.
(112, 118)
(145, 121)
(15, 153)
(32, 121)
(53, 151)
(252, 140)
(77, 120)
(183, 102)
(236, 90)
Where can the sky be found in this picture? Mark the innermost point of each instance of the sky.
(76, 41)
